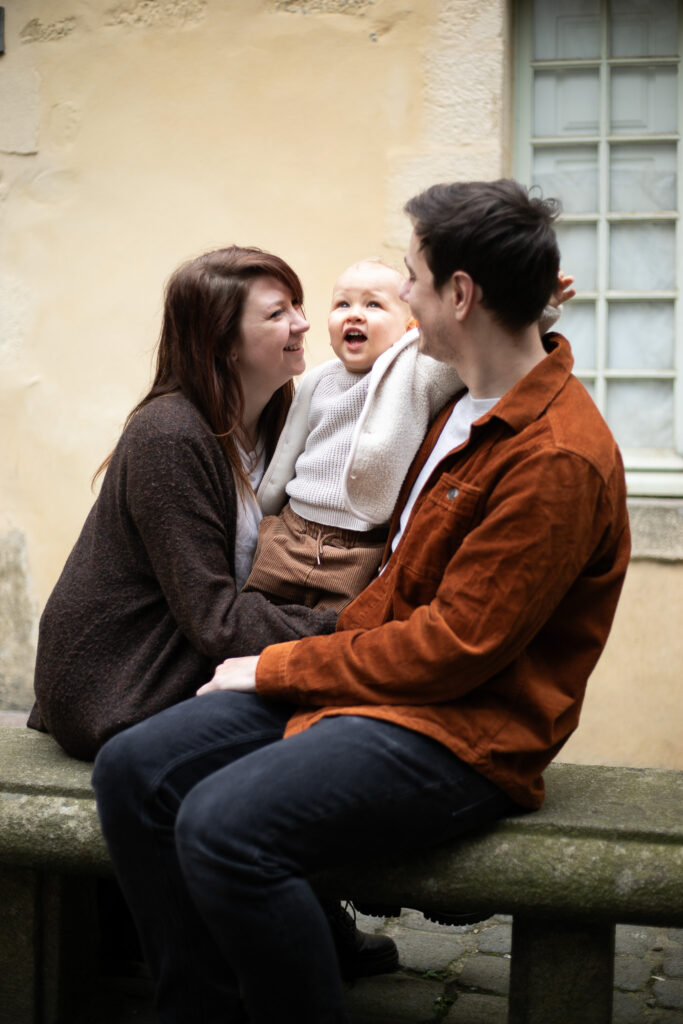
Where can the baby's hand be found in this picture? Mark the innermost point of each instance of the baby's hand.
(563, 290)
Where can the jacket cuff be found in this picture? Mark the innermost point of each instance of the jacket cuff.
(271, 669)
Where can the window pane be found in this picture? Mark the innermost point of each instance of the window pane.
(566, 102)
(578, 253)
(640, 413)
(577, 323)
(643, 28)
(569, 173)
(642, 257)
(643, 177)
(566, 28)
(641, 335)
(643, 100)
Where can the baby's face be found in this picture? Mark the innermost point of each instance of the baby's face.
(367, 315)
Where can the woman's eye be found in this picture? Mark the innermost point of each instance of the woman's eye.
(275, 314)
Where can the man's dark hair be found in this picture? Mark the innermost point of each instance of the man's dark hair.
(498, 234)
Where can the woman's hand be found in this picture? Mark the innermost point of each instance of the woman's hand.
(233, 674)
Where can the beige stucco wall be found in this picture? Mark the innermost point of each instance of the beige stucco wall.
(137, 133)
(633, 712)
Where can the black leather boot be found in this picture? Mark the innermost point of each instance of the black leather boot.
(360, 954)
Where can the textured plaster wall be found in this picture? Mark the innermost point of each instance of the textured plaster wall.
(134, 135)
(138, 133)
(633, 713)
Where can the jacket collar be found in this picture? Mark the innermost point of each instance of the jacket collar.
(518, 407)
(530, 396)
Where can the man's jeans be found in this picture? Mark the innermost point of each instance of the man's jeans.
(214, 822)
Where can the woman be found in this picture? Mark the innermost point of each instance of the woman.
(149, 601)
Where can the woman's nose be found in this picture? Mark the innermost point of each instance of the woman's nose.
(300, 324)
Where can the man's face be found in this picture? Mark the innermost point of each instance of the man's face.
(429, 307)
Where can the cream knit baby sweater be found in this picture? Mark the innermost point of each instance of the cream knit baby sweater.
(315, 492)
(349, 439)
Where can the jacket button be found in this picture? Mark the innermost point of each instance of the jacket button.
(453, 493)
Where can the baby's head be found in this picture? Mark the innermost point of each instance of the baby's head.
(367, 314)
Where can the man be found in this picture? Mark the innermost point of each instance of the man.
(452, 680)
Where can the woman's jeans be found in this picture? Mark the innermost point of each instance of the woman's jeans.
(214, 822)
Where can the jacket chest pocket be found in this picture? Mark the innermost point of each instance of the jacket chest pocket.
(440, 522)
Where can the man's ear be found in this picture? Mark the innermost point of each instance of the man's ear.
(465, 294)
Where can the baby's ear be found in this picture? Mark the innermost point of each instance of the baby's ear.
(412, 323)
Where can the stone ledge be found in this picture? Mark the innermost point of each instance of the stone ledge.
(606, 845)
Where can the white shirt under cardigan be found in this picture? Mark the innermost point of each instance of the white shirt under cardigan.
(249, 514)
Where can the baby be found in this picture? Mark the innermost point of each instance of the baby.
(353, 429)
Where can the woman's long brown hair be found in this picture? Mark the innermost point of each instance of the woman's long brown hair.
(203, 306)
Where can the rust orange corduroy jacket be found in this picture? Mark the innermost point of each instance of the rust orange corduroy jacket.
(490, 615)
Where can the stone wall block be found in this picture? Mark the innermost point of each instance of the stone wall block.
(657, 529)
(18, 110)
(18, 625)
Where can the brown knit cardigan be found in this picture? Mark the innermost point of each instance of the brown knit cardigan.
(146, 605)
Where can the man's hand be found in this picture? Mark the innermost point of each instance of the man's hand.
(233, 674)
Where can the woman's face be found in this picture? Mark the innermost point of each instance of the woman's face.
(270, 350)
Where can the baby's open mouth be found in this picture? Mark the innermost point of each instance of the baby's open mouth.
(354, 336)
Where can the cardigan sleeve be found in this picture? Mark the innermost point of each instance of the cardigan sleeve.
(181, 498)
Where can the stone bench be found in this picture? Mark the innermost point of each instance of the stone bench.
(606, 848)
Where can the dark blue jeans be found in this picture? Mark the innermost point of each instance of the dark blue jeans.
(214, 822)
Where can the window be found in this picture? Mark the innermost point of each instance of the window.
(598, 116)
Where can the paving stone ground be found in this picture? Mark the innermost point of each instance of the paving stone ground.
(465, 973)
(452, 975)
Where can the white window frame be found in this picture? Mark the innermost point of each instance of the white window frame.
(647, 475)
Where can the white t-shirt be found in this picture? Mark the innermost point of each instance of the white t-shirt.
(249, 515)
(455, 432)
